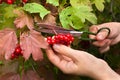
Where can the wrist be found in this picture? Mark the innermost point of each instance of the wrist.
(109, 75)
(106, 73)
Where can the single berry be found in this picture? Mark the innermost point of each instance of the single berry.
(13, 56)
(9, 1)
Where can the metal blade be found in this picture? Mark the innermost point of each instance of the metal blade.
(73, 33)
(76, 33)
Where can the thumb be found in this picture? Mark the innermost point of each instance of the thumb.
(102, 35)
(64, 50)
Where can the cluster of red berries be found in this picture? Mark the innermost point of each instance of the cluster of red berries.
(65, 39)
(17, 52)
(11, 1)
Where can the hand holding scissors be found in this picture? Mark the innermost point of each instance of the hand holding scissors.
(53, 29)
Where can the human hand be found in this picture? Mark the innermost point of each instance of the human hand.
(72, 61)
(102, 41)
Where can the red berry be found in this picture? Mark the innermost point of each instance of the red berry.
(49, 41)
(69, 35)
(1, 1)
(49, 38)
(53, 41)
(17, 52)
(9, 1)
(12, 56)
(55, 37)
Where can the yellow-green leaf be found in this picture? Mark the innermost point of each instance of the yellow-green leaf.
(99, 4)
(36, 8)
(84, 13)
(53, 2)
(68, 19)
(76, 16)
(76, 3)
(9, 11)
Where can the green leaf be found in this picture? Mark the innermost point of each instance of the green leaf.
(36, 8)
(84, 13)
(68, 19)
(53, 2)
(76, 23)
(76, 17)
(1, 63)
(99, 4)
(76, 3)
(9, 11)
(7, 23)
(6, 16)
(64, 17)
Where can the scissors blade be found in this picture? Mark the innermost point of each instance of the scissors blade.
(50, 26)
(73, 33)
(76, 33)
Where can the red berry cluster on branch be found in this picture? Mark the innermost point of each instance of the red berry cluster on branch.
(65, 39)
(17, 52)
(11, 1)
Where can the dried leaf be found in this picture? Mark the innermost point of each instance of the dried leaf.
(23, 20)
(9, 66)
(31, 42)
(10, 76)
(49, 19)
(53, 9)
(8, 41)
(28, 75)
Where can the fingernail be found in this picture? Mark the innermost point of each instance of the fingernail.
(56, 46)
(100, 37)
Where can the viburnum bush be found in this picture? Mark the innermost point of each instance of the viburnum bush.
(22, 47)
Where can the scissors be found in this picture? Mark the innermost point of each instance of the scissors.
(54, 29)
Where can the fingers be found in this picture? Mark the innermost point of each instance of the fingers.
(104, 49)
(67, 51)
(55, 59)
(93, 29)
(66, 58)
(101, 35)
(102, 40)
(60, 61)
(102, 43)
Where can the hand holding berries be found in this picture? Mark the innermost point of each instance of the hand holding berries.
(65, 39)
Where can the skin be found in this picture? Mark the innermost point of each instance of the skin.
(78, 62)
(105, 42)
